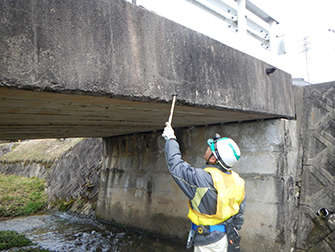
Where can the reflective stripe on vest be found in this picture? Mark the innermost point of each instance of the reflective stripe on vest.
(231, 193)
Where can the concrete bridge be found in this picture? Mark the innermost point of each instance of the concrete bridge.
(108, 68)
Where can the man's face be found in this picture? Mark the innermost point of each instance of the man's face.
(208, 153)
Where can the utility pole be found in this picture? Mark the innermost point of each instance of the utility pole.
(305, 50)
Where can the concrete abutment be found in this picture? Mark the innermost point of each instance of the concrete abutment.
(137, 190)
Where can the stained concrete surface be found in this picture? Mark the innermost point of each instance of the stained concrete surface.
(136, 185)
(105, 68)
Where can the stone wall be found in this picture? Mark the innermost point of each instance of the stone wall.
(30, 158)
(315, 229)
(73, 181)
(24, 169)
(137, 190)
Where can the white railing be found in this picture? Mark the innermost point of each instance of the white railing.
(242, 17)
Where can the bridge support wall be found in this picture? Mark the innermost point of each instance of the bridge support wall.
(137, 190)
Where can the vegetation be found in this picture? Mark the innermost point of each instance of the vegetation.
(9, 239)
(12, 239)
(21, 196)
(32, 250)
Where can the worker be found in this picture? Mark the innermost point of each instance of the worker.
(216, 193)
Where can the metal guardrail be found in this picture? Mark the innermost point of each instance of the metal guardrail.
(240, 18)
(233, 17)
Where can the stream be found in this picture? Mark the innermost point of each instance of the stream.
(66, 232)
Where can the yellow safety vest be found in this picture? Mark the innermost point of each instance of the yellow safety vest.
(230, 188)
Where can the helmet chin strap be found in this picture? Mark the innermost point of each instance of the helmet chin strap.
(217, 162)
(223, 167)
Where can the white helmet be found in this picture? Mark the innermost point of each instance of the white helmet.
(225, 150)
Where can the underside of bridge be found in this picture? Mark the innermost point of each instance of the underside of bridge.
(26, 114)
(107, 68)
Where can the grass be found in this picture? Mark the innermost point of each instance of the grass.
(12, 239)
(21, 195)
(9, 239)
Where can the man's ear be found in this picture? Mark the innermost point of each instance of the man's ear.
(212, 159)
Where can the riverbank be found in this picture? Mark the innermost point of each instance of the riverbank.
(20, 196)
(34, 229)
(13, 241)
(62, 231)
(27, 226)
(31, 180)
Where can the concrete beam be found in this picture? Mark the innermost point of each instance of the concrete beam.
(112, 54)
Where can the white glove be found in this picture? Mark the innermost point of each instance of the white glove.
(168, 132)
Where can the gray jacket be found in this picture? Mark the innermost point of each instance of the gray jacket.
(189, 179)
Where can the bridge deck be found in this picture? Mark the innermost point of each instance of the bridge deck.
(104, 68)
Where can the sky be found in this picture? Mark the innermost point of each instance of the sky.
(311, 20)
(300, 22)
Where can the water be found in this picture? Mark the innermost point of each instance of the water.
(67, 232)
